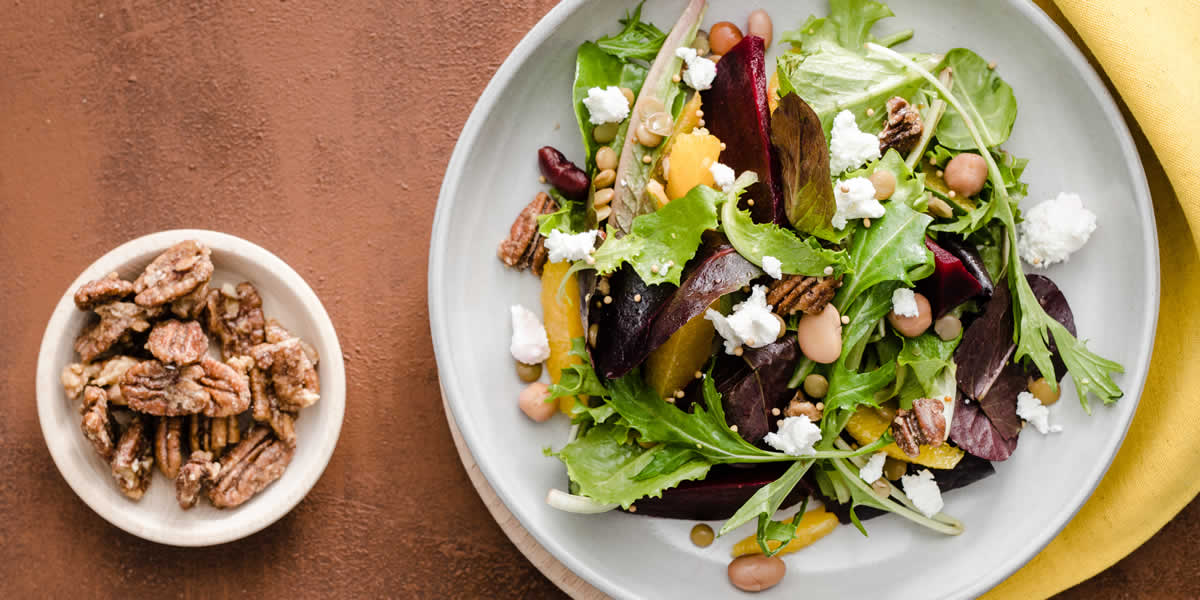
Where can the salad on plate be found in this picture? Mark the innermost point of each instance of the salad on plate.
(791, 295)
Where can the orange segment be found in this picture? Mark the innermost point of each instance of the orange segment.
(560, 312)
(690, 159)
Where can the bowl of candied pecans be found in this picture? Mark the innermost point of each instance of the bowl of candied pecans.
(190, 387)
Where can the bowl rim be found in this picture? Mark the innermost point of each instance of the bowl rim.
(221, 530)
(469, 137)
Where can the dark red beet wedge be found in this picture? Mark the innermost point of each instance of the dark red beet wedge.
(950, 284)
(737, 113)
(719, 495)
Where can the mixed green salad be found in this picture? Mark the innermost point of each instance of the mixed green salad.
(765, 283)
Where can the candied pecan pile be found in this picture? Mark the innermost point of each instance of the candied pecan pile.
(150, 393)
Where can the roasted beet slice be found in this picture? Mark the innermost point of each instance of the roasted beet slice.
(736, 112)
(950, 285)
(624, 324)
(719, 495)
(971, 261)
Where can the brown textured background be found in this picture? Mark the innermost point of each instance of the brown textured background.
(319, 130)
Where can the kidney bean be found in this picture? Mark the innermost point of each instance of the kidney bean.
(563, 174)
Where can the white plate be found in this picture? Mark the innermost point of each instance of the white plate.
(1072, 132)
(157, 517)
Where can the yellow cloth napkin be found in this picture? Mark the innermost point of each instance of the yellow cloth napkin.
(1148, 50)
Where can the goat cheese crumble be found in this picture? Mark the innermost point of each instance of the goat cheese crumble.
(796, 436)
(529, 342)
(700, 71)
(723, 176)
(924, 492)
(606, 105)
(1032, 410)
(773, 267)
(855, 199)
(904, 303)
(752, 323)
(873, 470)
(1054, 229)
(849, 147)
(562, 246)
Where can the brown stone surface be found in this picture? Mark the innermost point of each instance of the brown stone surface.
(319, 130)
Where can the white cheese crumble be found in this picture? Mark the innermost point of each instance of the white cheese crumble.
(529, 342)
(855, 199)
(1054, 229)
(904, 303)
(873, 470)
(752, 323)
(850, 148)
(1032, 410)
(570, 246)
(723, 176)
(700, 71)
(796, 436)
(773, 267)
(606, 105)
(924, 492)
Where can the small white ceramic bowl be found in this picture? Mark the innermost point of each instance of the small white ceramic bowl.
(157, 517)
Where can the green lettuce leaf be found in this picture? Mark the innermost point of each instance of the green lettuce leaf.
(848, 388)
(889, 250)
(578, 379)
(988, 100)
(848, 26)
(660, 242)
(594, 67)
(927, 355)
(571, 217)
(637, 41)
(756, 240)
(607, 471)
(910, 185)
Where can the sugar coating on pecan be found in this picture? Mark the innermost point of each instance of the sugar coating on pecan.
(177, 342)
(118, 321)
(235, 317)
(290, 372)
(213, 434)
(174, 274)
(168, 445)
(96, 426)
(903, 128)
(157, 389)
(228, 388)
(924, 424)
(102, 291)
(194, 476)
(250, 467)
(801, 293)
(192, 304)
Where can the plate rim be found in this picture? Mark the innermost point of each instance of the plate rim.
(333, 391)
(469, 136)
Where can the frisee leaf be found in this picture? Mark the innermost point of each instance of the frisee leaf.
(756, 240)
(888, 250)
(661, 242)
(609, 471)
(927, 355)
(637, 41)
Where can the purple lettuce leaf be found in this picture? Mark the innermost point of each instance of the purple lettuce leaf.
(972, 431)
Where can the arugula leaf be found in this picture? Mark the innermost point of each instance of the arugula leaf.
(799, 142)
(848, 26)
(986, 98)
(1034, 328)
(595, 67)
(607, 471)
(780, 532)
(768, 498)
(638, 41)
(661, 242)
(888, 250)
(755, 240)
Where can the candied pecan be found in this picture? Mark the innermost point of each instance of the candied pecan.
(133, 460)
(199, 472)
(291, 373)
(168, 445)
(118, 320)
(524, 247)
(177, 342)
(76, 376)
(801, 407)
(250, 467)
(903, 128)
(228, 388)
(213, 434)
(97, 427)
(924, 424)
(174, 274)
(277, 333)
(157, 389)
(192, 304)
(265, 408)
(102, 291)
(235, 316)
(801, 293)
(113, 369)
